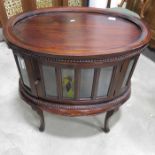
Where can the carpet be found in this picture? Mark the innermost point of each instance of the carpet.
(132, 127)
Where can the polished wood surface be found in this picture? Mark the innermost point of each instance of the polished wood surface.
(87, 44)
(76, 32)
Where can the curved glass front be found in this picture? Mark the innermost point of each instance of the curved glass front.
(23, 71)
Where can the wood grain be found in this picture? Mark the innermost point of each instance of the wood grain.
(76, 32)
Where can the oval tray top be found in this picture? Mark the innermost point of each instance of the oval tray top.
(76, 32)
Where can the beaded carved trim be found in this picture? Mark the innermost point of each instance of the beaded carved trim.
(117, 101)
(74, 59)
(69, 59)
(44, 3)
(74, 3)
(12, 7)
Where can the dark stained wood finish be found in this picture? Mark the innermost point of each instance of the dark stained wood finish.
(76, 110)
(77, 84)
(37, 78)
(59, 82)
(33, 82)
(40, 113)
(52, 33)
(132, 70)
(106, 122)
(52, 37)
(95, 83)
(122, 71)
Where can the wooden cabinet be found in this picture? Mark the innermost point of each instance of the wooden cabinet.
(66, 63)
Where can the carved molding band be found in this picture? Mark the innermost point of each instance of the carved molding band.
(32, 100)
(69, 59)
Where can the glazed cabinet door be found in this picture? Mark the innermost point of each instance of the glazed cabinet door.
(26, 73)
(73, 83)
(61, 82)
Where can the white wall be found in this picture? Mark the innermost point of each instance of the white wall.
(98, 3)
(103, 3)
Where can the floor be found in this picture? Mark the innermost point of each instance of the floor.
(132, 127)
(150, 53)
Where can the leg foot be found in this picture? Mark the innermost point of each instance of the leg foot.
(40, 113)
(106, 122)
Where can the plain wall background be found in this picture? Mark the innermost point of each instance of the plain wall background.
(103, 3)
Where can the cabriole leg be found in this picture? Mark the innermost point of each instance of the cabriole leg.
(40, 113)
(106, 122)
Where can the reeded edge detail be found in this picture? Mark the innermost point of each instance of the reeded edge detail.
(65, 109)
(141, 42)
(69, 59)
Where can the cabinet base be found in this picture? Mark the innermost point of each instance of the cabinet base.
(74, 110)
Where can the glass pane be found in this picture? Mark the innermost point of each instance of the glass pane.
(68, 83)
(86, 82)
(104, 81)
(128, 73)
(23, 71)
(49, 80)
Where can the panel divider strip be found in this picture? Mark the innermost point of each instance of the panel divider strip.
(95, 83)
(59, 82)
(77, 83)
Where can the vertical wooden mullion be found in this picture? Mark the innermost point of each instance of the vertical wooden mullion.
(132, 70)
(38, 77)
(95, 83)
(117, 76)
(59, 82)
(114, 78)
(30, 72)
(122, 76)
(77, 83)
(40, 64)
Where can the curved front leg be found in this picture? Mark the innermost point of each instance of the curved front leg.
(106, 122)
(40, 113)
